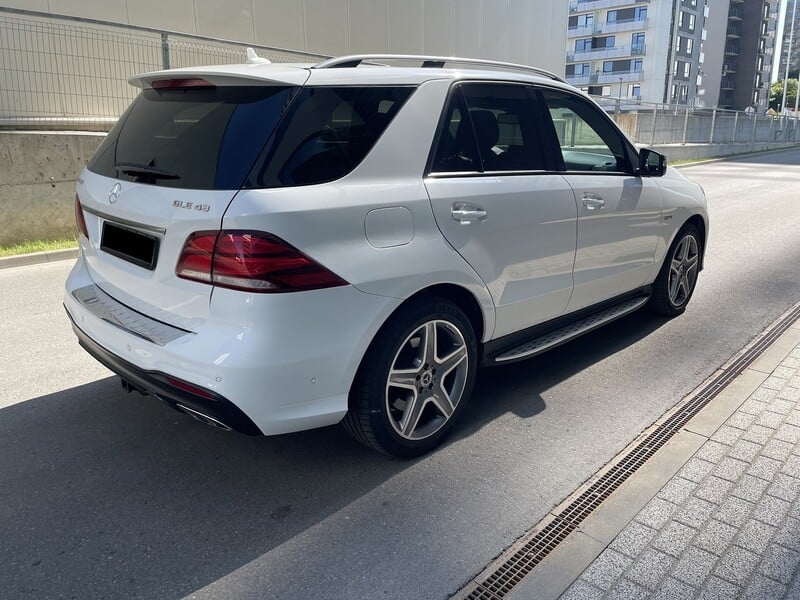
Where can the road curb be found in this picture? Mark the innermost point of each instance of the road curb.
(35, 258)
(733, 157)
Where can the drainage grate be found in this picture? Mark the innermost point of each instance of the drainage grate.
(518, 562)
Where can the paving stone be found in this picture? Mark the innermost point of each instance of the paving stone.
(627, 590)
(755, 536)
(758, 402)
(674, 538)
(789, 534)
(792, 466)
(792, 394)
(696, 469)
(758, 434)
(780, 563)
(771, 510)
(716, 537)
(764, 467)
(774, 383)
(695, 512)
(672, 589)
(633, 539)
(719, 589)
(712, 451)
(714, 489)
(730, 468)
(784, 372)
(657, 513)
(777, 449)
(782, 406)
(785, 487)
(761, 395)
(677, 490)
(694, 566)
(581, 590)
(788, 433)
(734, 511)
(743, 420)
(762, 588)
(736, 565)
(750, 488)
(650, 568)
(770, 419)
(792, 362)
(793, 418)
(744, 450)
(726, 435)
(606, 569)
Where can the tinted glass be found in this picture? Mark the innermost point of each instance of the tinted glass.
(588, 139)
(193, 138)
(456, 150)
(325, 134)
(505, 123)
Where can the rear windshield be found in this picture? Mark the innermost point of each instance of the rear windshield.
(256, 137)
(193, 138)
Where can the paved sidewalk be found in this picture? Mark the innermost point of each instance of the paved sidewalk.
(727, 525)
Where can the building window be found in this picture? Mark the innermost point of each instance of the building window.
(674, 94)
(686, 67)
(640, 14)
(583, 44)
(755, 97)
(608, 66)
(692, 19)
(675, 68)
(689, 46)
(611, 16)
(637, 42)
(684, 93)
(637, 65)
(635, 90)
(585, 20)
(582, 69)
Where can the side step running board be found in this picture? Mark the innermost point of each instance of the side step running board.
(573, 330)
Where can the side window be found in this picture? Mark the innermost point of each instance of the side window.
(456, 151)
(588, 139)
(506, 126)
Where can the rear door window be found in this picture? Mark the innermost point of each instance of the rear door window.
(325, 134)
(193, 138)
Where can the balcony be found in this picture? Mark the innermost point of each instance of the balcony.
(727, 84)
(730, 67)
(731, 50)
(735, 13)
(622, 25)
(604, 53)
(574, 32)
(578, 80)
(585, 5)
(619, 76)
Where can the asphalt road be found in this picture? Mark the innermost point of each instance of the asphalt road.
(106, 494)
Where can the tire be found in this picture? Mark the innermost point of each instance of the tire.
(675, 284)
(403, 402)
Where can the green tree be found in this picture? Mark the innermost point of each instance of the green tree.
(776, 94)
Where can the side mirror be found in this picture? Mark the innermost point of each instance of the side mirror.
(651, 163)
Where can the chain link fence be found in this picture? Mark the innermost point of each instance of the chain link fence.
(68, 71)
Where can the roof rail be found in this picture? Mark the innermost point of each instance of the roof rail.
(430, 62)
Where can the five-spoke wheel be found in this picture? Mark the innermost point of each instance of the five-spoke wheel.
(676, 281)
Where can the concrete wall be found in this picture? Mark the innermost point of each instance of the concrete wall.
(37, 183)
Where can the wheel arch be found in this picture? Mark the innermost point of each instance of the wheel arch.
(700, 224)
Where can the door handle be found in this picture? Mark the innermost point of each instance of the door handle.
(593, 201)
(465, 213)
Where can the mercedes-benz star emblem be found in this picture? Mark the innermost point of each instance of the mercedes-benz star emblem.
(113, 195)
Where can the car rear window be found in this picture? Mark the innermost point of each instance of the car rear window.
(325, 134)
(194, 138)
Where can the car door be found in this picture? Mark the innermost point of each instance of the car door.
(500, 203)
(619, 213)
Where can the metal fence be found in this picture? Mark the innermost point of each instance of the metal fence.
(69, 72)
(656, 124)
(64, 71)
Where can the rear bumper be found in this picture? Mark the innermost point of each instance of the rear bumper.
(260, 363)
(211, 404)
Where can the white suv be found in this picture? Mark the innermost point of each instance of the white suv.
(277, 247)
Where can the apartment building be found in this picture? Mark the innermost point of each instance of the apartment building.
(783, 53)
(683, 52)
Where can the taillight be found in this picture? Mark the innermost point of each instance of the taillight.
(252, 261)
(80, 221)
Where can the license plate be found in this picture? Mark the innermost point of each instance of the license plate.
(131, 245)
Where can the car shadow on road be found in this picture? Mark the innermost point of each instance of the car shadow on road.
(518, 387)
(105, 494)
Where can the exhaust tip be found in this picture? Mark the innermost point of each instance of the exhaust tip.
(203, 418)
